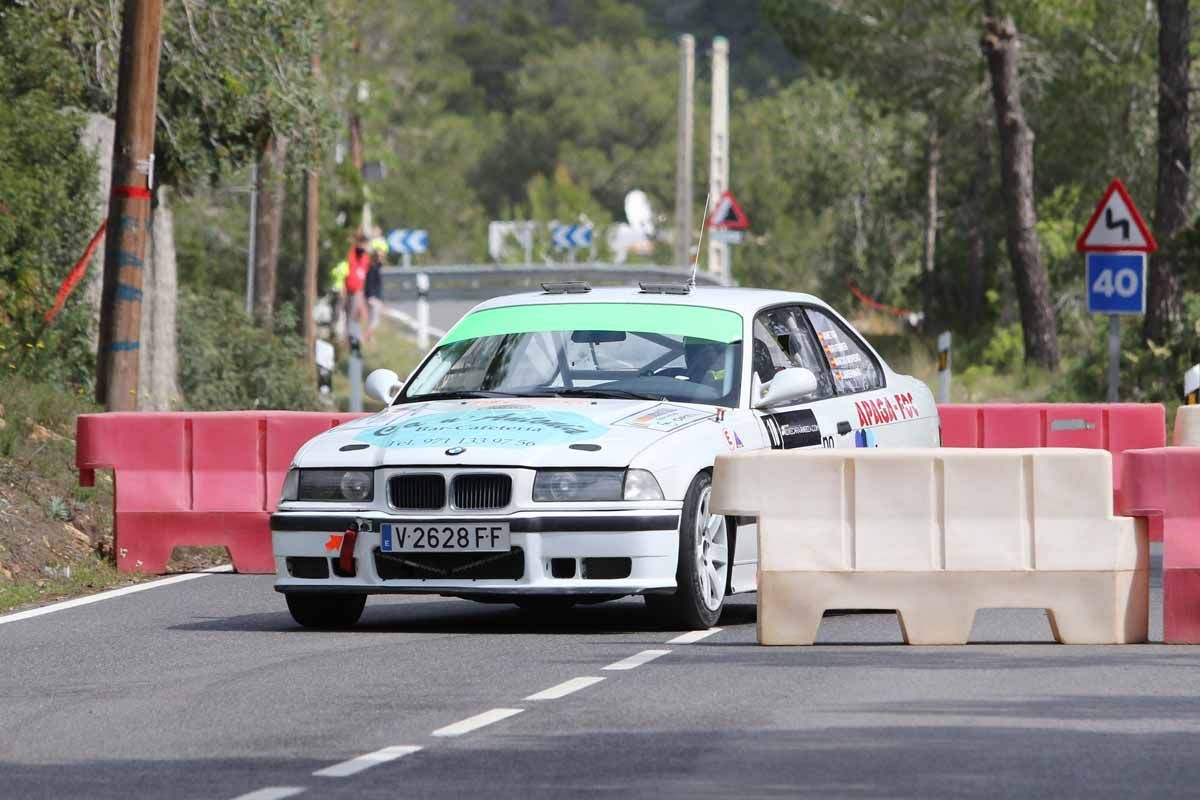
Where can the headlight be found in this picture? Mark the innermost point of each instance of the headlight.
(352, 486)
(641, 485)
(578, 485)
(291, 486)
(593, 485)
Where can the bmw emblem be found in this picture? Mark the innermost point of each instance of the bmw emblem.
(455, 451)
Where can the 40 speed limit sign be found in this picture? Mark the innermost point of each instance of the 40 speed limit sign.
(1116, 283)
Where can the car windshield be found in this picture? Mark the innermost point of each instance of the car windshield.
(652, 351)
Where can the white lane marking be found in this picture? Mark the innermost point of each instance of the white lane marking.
(110, 594)
(357, 765)
(565, 688)
(637, 660)
(692, 637)
(272, 793)
(478, 721)
(410, 321)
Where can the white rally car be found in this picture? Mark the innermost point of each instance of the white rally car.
(557, 448)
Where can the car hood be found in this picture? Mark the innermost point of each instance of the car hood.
(549, 432)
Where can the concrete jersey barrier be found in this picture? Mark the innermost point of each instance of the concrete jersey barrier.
(194, 479)
(938, 534)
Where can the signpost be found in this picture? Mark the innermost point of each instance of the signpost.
(943, 346)
(571, 238)
(1116, 241)
(727, 224)
(406, 242)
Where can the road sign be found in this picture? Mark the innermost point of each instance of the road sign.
(1116, 226)
(727, 236)
(407, 242)
(728, 214)
(1116, 283)
(571, 237)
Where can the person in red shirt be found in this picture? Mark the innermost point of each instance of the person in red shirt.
(359, 260)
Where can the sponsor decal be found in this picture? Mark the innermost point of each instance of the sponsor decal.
(886, 410)
(335, 542)
(496, 427)
(732, 440)
(836, 347)
(865, 437)
(664, 418)
(790, 429)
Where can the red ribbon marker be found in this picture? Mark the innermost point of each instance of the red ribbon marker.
(76, 274)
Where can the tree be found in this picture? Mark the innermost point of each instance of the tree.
(1000, 45)
(1174, 163)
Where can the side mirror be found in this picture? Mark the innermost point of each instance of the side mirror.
(789, 386)
(383, 385)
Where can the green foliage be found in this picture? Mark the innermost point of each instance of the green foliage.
(230, 74)
(824, 175)
(47, 180)
(227, 362)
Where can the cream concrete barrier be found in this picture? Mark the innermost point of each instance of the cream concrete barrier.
(937, 534)
(1187, 427)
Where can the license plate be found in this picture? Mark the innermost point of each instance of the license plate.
(438, 537)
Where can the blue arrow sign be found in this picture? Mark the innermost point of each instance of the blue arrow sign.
(570, 237)
(403, 240)
(1116, 283)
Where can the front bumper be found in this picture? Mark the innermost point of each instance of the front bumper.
(543, 544)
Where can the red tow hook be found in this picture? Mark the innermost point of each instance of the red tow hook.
(346, 556)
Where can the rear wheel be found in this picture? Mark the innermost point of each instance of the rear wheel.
(703, 570)
(330, 611)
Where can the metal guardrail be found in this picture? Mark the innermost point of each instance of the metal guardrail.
(480, 281)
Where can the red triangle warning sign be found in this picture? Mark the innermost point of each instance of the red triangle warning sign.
(1116, 225)
(728, 214)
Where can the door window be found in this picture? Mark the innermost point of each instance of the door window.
(781, 340)
(854, 368)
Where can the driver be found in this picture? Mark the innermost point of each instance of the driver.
(705, 362)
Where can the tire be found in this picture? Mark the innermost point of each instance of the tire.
(702, 574)
(329, 611)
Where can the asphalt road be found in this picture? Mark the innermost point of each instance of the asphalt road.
(206, 689)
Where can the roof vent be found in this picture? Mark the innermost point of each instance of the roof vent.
(567, 287)
(665, 288)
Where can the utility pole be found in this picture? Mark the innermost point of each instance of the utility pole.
(311, 201)
(718, 178)
(683, 151)
(129, 206)
(250, 254)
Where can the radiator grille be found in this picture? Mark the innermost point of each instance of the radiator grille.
(419, 492)
(482, 492)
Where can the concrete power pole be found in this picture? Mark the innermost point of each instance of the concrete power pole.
(311, 200)
(683, 151)
(718, 180)
(129, 206)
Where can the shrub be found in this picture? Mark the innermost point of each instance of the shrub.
(228, 362)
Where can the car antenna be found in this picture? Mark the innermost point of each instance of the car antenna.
(699, 242)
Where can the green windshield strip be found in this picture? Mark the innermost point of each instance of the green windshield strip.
(671, 320)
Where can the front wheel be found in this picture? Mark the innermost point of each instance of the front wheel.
(703, 569)
(330, 611)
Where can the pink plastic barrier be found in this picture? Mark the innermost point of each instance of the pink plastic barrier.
(194, 479)
(1115, 427)
(1163, 484)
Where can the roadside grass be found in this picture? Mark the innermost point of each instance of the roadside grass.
(55, 535)
(85, 577)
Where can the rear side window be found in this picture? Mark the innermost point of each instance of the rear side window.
(854, 368)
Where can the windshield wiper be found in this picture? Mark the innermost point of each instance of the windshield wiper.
(593, 391)
(459, 395)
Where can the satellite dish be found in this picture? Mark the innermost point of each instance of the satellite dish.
(639, 213)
